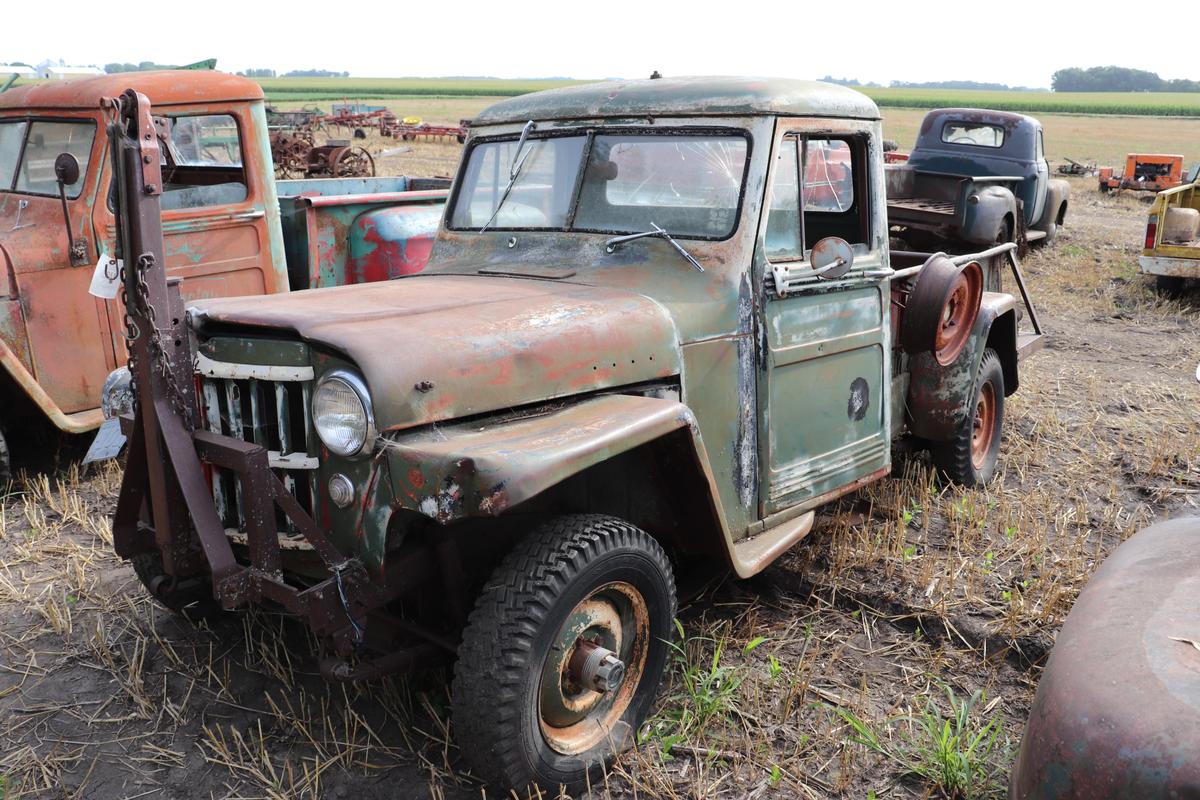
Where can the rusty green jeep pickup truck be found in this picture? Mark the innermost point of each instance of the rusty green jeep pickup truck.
(641, 338)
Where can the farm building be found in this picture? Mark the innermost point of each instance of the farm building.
(63, 71)
(20, 70)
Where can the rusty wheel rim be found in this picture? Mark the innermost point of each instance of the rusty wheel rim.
(984, 426)
(573, 718)
(958, 314)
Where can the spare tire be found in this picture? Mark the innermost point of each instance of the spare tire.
(942, 308)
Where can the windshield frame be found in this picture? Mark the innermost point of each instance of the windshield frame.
(30, 120)
(590, 132)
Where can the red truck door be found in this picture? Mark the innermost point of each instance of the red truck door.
(215, 210)
(70, 351)
(214, 214)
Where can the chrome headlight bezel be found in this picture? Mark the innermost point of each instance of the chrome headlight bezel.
(356, 384)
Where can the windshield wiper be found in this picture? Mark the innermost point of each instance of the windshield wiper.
(514, 169)
(612, 244)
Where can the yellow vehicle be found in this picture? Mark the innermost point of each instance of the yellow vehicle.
(1172, 248)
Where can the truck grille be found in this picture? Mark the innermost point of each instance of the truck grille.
(269, 406)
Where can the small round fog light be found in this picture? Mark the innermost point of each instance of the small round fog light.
(341, 490)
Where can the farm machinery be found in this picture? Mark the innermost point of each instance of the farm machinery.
(1079, 168)
(412, 128)
(297, 154)
(1145, 172)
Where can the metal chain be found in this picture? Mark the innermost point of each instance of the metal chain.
(160, 360)
(132, 334)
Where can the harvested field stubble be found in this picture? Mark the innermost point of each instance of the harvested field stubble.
(912, 604)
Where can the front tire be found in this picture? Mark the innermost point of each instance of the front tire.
(526, 710)
(1170, 286)
(970, 457)
(5, 464)
(191, 598)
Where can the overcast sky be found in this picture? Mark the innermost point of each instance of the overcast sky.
(1017, 42)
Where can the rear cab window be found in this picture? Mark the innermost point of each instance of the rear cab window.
(973, 133)
(28, 148)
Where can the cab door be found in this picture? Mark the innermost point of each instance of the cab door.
(824, 413)
(66, 327)
(1041, 179)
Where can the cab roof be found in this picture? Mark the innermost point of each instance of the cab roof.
(162, 87)
(685, 97)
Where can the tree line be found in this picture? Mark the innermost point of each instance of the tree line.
(977, 85)
(1117, 79)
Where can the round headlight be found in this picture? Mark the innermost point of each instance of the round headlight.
(342, 413)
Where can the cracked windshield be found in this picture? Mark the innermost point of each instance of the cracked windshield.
(689, 185)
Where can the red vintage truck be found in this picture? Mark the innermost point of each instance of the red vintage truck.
(230, 229)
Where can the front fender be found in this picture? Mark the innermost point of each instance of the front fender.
(987, 214)
(938, 397)
(483, 469)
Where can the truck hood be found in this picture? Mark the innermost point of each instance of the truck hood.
(438, 347)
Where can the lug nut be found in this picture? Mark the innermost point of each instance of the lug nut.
(603, 671)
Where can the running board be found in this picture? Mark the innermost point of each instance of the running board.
(1029, 343)
(755, 553)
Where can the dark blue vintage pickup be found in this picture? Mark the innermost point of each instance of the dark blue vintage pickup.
(975, 177)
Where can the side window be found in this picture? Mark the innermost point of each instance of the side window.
(202, 161)
(831, 201)
(828, 176)
(11, 136)
(784, 242)
(45, 141)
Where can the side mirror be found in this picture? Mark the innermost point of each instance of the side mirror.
(831, 258)
(66, 169)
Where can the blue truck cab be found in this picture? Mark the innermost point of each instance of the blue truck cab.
(977, 177)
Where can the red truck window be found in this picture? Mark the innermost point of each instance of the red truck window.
(44, 141)
(11, 136)
(202, 162)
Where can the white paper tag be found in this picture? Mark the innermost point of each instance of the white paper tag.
(106, 279)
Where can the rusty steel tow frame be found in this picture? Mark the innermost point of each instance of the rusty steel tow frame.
(164, 481)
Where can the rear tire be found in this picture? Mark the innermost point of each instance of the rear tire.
(969, 457)
(520, 717)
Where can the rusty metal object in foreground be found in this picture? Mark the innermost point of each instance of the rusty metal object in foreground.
(1117, 712)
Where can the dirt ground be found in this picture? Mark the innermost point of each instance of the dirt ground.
(903, 591)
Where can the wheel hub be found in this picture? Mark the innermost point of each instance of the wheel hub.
(593, 668)
(982, 431)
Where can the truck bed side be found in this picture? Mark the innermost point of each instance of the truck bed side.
(358, 230)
